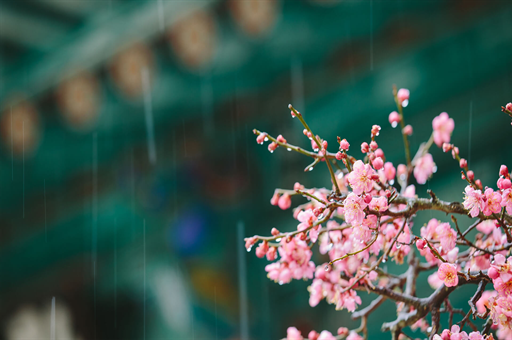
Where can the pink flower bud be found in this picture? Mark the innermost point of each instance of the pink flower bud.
(313, 335)
(261, 138)
(421, 244)
(403, 95)
(272, 147)
(344, 145)
(372, 156)
(394, 118)
(249, 242)
(447, 147)
(274, 232)
(509, 107)
(493, 273)
(373, 145)
(293, 114)
(504, 183)
(297, 186)
(402, 170)
(309, 135)
(375, 130)
(339, 155)
(262, 249)
(463, 163)
(365, 147)
(281, 139)
(318, 211)
(379, 153)
(389, 171)
(324, 144)
(455, 151)
(504, 171)
(378, 163)
(303, 236)
(321, 153)
(471, 175)
(284, 202)
(407, 130)
(305, 132)
(343, 331)
(479, 183)
(272, 254)
(387, 193)
(274, 199)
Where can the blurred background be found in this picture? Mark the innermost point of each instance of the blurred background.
(128, 168)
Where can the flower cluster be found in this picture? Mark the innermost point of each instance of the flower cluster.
(368, 218)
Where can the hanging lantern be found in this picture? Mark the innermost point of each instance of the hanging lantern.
(78, 98)
(193, 39)
(255, 17)
(127, 66)
(20, 127)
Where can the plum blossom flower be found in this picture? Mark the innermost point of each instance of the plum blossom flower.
(501, 310)
(443, 127)
(379, 204)
(484, 301)
(506, 200)
(448, 273)
(306, 219)
(354, 206)
(403, 97)
(473, 201)
(360, 179)
(354, 336)
(492, 202)
(447, 236)
(424, 168)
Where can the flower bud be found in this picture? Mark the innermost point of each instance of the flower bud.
(394, 118)
(373, 145)
(367, 199)
(493, 273)
(274, 232)
(344, 145)
(379, 153)
(479, 184)
(421, 244)
(343, 331)
(447, 147)
(339, 155)
(274, 199)
(313, 335)
(375, 130)
(463, 163)
(272, 254)
(509, 107)
(504, 183)
(365, 148)
(284, 202)
(403, 95)
(261, 138)
(272, 146)
(407, 130)
(471, 175)
(378, 163)
(504, 171)
(281, 139)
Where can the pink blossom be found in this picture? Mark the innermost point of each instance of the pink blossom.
(354, 206)
(326, 335)
(360, 179)
(261, 138)
(476, 336)
(504, 183)
(486, 226)
(503, 268)
(389, 171)
(403, 97)
(344, 145)
(492, 202)
(284, 202)
(434, 281)
(306, 219)
(313, 335)
(378, 163)
(501, 310)
(424, 168)
(484, 301)
(506, 200)
(473, 201)
(407, 130)
(443, 127)
(379, 204)
(448, 273)
(394, 118)
(293, 334)
(503, 170)
(447, 236)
